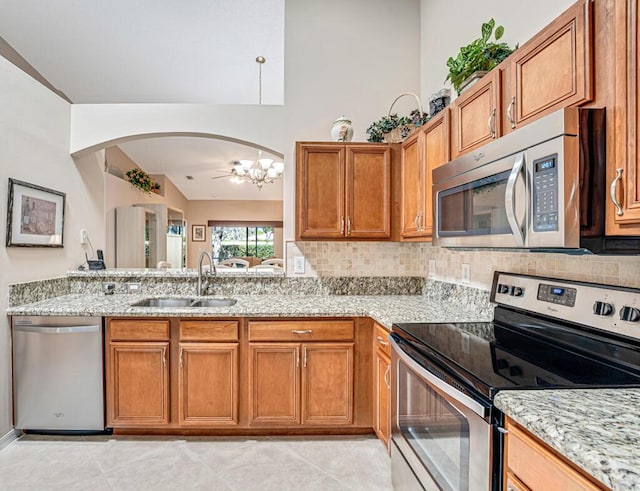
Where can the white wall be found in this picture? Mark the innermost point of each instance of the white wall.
(446, 26)
(345, 58)
(34, 147)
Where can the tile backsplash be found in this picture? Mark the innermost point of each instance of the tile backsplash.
(413, 259)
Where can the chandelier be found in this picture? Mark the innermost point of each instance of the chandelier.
(259, 172)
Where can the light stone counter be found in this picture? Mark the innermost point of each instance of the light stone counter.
(385, 309)
(597, 429)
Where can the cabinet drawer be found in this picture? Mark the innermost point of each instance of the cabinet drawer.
(380, 340)
(148, 330)
(538, 467)
(300, 331)
(208, 330)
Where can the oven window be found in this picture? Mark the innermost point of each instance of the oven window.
(475, 208)
(437, 432)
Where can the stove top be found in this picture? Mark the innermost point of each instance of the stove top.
(528, 346)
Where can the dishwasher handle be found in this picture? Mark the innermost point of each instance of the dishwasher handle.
(56, 329)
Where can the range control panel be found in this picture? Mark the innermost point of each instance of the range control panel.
(610, 308)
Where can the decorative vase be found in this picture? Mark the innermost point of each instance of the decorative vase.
(471, 79)
(341, 130)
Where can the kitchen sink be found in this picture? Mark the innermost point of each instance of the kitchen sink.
(185, 302)
(214, 302)
(164, 302)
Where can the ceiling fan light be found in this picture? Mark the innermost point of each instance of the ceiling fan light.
(265, 163)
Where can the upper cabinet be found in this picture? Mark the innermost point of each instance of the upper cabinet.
(476, 115)
(623, 169)
(343, 191)
(552, 70)
(425, 150)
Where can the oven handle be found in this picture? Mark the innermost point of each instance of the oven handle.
(510, 199)
(434, 381)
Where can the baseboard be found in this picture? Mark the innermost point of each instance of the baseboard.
(9, 437)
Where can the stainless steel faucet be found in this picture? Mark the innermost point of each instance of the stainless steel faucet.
(203, 286)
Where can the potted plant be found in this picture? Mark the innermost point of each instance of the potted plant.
(379, 130)
(481, 55)
(141, 180)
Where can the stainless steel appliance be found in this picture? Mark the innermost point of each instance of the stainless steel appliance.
(58, 373)
(540, 187)
(546, 333)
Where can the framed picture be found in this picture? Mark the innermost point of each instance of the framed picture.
(35, 216)
(198, 233)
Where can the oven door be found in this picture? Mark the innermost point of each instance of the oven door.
(484, 206)
(438, 432)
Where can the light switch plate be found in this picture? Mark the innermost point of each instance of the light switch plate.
(466, 273)
(298, 265)
(84, 237)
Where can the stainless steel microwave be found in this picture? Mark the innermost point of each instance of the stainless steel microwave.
(540, 187)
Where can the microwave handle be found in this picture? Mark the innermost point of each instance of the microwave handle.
(510, 199)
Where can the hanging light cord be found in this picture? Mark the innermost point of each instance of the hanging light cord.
(260, 61)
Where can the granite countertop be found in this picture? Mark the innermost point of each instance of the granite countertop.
(597, 429)
(384, 309)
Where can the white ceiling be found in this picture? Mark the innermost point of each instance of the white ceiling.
(150, 51)
(202, 158)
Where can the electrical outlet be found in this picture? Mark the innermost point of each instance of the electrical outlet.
(466, 273)
(298, 264)
(432, 268)
(133, 287)
(84, 237)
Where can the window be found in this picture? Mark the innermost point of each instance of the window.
(229, 242)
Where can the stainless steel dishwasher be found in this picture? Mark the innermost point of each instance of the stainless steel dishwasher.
(58, 373)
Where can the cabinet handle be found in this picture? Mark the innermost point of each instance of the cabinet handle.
(342, 224)
(421, 221)
(302, 331)
(348, 225)
(181, 365)
(415, 221)
(612, 192)
(382, 341)
(304, 361)
(386, 374)
(491, 122)
(298, 357)
(502, 430)
(509, 110)
(164, 357)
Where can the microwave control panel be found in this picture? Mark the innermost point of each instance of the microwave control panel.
(545, 194)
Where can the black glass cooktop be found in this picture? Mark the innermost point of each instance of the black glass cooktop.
(517, 351)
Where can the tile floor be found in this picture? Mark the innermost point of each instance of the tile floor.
(204, 463)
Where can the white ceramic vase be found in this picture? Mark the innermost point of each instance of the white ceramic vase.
(341, 130)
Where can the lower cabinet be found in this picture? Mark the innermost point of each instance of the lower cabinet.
(301, 383)
(137, 364)
(530, 465)
(381, 384)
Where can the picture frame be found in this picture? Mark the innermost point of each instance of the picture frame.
(35, 216)
(198, 233)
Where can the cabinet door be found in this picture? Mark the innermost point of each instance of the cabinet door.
(327, 384)
(624, 171)
(208, 384)
(274, 383)
(382, 397)
(413, 185)
(436, 153)
(553, 69)
(475, 115)
(320, 171)
(368, 192)
(138, 384)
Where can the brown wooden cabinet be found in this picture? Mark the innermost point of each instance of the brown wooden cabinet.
(476, 115)
(531, 465)
(623, 171)
(208, 373)
(301, 383)
(382, 384)
(425, 150)
(137, 361)
(343, 191)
